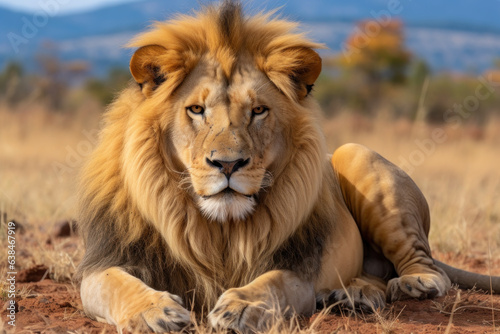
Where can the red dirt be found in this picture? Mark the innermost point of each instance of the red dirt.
(51, 307)
(56, 308)
(473, 314)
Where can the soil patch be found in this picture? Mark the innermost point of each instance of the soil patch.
(51, 307)
(47, 306)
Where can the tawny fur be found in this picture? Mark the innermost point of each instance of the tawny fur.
(133, 183)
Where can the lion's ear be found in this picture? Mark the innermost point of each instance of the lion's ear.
(294, 70)
(146, 69)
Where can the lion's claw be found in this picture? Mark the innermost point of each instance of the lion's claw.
(234, 311)
(167, 315)
(364, 299)
(415, 286)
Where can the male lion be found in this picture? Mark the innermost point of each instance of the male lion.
(210, 186)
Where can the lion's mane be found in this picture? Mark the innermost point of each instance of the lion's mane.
(135, 209)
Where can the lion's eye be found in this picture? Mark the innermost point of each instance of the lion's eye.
(260, 110)
(196, 110)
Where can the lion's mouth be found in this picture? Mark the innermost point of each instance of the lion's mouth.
(227, 205)
(228, 192)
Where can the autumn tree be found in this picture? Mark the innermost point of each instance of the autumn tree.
(377, 50)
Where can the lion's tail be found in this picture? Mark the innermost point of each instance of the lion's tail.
(468, 280)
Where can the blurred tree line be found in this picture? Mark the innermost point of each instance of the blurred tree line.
(374, 73)
(60, 85)
(57, 84)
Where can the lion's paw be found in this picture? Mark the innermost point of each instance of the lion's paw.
(421, 286)
(235, 310)
(364, 298)
(166, 314)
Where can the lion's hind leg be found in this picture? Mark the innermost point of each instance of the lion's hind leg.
(364, 294)
(393, 217)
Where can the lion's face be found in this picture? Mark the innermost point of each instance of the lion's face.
(227, 134)
(230, 100)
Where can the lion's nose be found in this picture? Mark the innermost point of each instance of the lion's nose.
(228, 167)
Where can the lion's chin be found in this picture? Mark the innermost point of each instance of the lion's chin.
(227, 206)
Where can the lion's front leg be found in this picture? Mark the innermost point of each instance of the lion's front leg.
(118, 298)
(255, 306)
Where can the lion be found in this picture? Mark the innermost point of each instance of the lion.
(211, 189)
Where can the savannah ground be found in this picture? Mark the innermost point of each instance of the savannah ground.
(41, 152)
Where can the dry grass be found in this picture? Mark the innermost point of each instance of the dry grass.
(4, 289)
(457, 302)
(460, 179)
(40, 153)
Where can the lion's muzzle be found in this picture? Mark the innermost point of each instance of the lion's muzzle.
(230, 196)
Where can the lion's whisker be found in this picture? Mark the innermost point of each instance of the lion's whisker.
(267, 181)
(258, 90)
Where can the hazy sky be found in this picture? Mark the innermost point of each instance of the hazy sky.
(66, 6)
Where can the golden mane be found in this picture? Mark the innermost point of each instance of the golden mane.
(225, 33)
(135, 211)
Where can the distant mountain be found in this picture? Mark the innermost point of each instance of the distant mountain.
(458, 35)
(465, 14)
